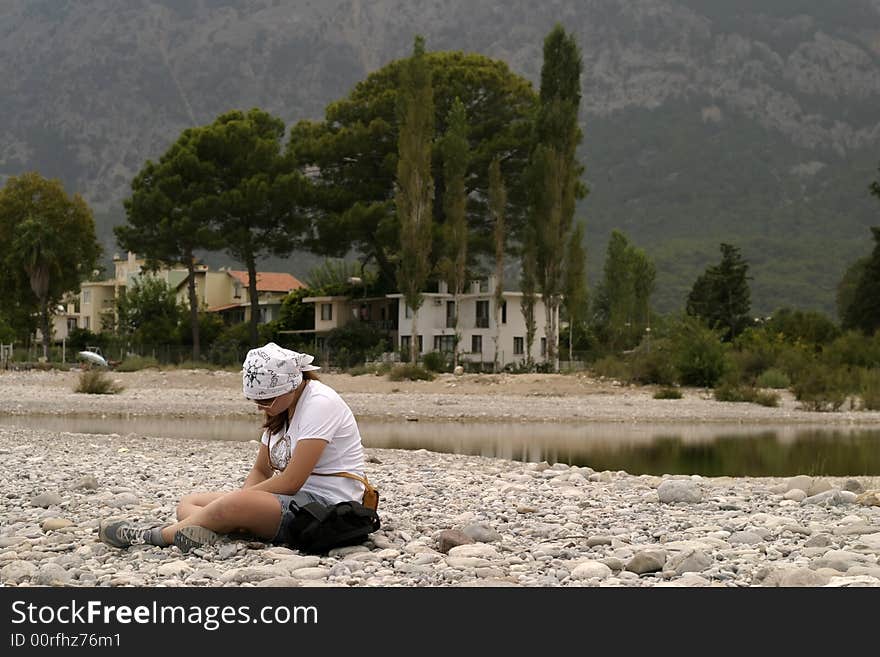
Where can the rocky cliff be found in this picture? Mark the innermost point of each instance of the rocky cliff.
(703, 119)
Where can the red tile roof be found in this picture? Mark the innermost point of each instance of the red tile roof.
(269, 281)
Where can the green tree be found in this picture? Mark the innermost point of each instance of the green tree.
(169, 214)
(415, 186)
(863, 312)
(257, 197)
(333, 276)
(575, 283)
(555, 172)
(149, 313)
(497, 207)
(453, 264)
(846, 289)
(47, 248)
(351, 155)
(720, 296)
(622, 307)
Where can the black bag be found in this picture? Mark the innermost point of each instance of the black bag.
(316, 528)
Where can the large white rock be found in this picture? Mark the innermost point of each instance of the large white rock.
(678, 490)
(590, 570)
(474, 550)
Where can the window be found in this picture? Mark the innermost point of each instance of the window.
(87, 323)
(543, 346)
(405, 341)
(444, 343)
(236, 290)
(71, 324)
(407, 312)
(326, 312)
(518, 346)
(86, 296)
(483, 314)
(504, 312)
(476, 344)
(450, 314)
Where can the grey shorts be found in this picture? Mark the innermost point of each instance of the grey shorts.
(287, 515)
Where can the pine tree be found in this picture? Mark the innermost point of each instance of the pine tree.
(721, 295)
(414, 192)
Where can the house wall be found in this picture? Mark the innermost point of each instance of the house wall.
(432, 322)
(97, 300)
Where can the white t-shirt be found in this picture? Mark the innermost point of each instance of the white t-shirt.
(321, 413)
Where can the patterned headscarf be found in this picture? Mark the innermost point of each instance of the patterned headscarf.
(272, 370)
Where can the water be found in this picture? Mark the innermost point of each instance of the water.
(706, 449)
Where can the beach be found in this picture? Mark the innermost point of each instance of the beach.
(447, 519)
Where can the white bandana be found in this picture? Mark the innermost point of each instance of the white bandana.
(272, 370)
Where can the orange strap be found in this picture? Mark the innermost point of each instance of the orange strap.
(348, 475)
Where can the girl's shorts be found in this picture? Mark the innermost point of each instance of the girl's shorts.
(288, 514)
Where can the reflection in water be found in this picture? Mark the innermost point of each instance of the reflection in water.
(707, 449)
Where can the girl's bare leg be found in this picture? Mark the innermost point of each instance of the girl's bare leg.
(189, 504)
(253, 511)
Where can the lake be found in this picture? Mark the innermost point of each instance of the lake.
(705, 449)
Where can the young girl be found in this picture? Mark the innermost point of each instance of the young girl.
(310, 436)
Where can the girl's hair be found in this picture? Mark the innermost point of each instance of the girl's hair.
(276, 423)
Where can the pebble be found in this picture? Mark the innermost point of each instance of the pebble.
(676, 490)
(474, 522)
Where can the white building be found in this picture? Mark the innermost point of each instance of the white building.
(436, 325)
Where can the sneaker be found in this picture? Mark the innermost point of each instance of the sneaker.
(193, 536)
(121, 533)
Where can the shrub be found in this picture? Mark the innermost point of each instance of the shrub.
(728, 392)
(698, 353)
(854, 350)
(355, 342)
(231, 345)
(821, 388)
(436, 361)
(870, 390)
(805, 326)
(756, 350)
(767, 398)
(96, 382)
(668, 393)
(377, 369)
(80, 338)
(193, 365)
(611, 367)
(135, 363)
(410, 372)
(652, 362)
(774, 378)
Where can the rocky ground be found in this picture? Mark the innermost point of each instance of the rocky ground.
(484, 397)
(447, 520)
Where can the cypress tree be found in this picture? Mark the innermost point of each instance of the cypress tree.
(555, 171)
(456, 155)
(497, 205)
(414, 192)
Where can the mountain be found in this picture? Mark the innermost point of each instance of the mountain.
(704, 121)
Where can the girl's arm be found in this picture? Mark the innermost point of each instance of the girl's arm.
(261, 471)
(302, 462)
